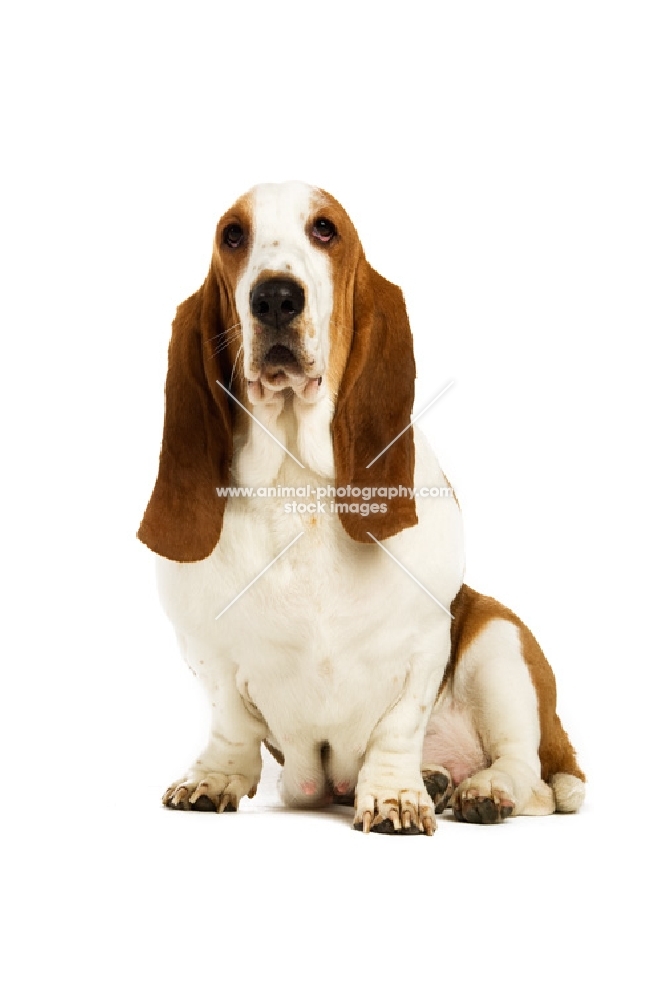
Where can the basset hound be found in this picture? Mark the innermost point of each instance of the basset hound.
(311, 555)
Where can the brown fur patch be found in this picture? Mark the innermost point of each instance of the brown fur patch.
(277, 754)
(374, 405)
(184, 516)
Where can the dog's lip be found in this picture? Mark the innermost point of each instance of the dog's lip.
(282, 367)
(280, 377)
(307, 388)
(281, 356)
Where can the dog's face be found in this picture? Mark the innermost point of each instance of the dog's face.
(290, 307)
(283, 250)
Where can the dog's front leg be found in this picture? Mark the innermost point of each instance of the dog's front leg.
(230, 765)
(390, 796)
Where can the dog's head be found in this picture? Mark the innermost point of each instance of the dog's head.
(289, 306)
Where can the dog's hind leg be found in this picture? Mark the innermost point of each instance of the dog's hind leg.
(492, 679)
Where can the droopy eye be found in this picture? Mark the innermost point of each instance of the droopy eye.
(233, 236)
(324, 230)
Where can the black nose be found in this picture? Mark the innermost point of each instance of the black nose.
(277, 301)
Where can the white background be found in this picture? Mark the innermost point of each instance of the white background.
(503, 163)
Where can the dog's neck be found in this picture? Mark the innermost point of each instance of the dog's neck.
(301, 428)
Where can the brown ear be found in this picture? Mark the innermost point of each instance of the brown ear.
(184, 516)
(374, 405)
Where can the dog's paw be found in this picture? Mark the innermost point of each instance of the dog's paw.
(209, 791)
(406, 812)
(483, 798)
(438, 783)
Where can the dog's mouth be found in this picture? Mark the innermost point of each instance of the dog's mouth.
(279, 365)
(282, 367)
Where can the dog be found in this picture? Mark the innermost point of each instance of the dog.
(311, 553)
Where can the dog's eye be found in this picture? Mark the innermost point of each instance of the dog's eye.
(324, 230)
(233, 236)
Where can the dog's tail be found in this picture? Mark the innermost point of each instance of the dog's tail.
(569, 792)
(560, 769)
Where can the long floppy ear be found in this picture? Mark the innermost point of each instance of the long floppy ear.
(184, 516)
(374, 405)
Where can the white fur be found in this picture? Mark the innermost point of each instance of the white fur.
(258, 458)
(314, 434)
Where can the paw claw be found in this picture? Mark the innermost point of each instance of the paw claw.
(180, 797)
(201, 789)
(394, 819)
(409, 812)
(166, 797)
